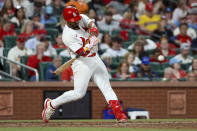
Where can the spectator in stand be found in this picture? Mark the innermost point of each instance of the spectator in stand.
(8, 10)
(165, 39)
(28, 6)
(65, 53)
(191, 76)
(140, 6)
(108, 24)
(57, 7)
(157, 57)
(149, 21)
(59, 43)
(19, 18)
(50, 76)
(189, 31)
(168, 74)
(92, 15)
(184, 56)
(165, 47)
(67, 74)
(49, 50)
(138, 50)
(60, 25)
(182, 19)
(194, 46)
(162, 30)
(132, 61)
(119, 5)
(34, 60)
(1, 4)
(38, 7)
(36, 17)
(182, 37)
(31, 43)
(47, 17)
(145, 71)
(193, 67)
(97, 5)
(7, 29)
(158, 6)
(28, 28)
(147, 43)
(116, 48)
(168, 14)
(128, 21)
(180, 11)
(44, 2)
(107, 61)
(115, 15)
(106, 41)
(16, 52)
(81, 6)
(192, 15)
(123, 72)
(177, 72)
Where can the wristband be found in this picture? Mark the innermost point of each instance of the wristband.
(94, 29)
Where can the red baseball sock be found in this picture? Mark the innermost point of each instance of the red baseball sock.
(117, 109)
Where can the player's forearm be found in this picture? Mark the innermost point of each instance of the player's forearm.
(91, 24)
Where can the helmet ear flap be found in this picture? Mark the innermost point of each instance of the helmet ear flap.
(71, 14)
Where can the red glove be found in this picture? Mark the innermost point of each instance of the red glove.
(94, 29)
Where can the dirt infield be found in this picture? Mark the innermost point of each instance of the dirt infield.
(130, 124)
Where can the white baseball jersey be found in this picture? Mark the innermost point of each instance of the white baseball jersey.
(75, 39)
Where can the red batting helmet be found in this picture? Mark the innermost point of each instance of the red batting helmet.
(71, 14)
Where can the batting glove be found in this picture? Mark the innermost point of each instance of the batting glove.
(93, 42)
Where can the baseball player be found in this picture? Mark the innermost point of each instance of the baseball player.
(77, 30)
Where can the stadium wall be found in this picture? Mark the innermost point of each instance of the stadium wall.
(24, 100)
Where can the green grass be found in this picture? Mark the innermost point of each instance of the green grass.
(102, 120)
(45, 128)
(87, 129)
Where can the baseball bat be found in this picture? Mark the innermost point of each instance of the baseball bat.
(68, 63)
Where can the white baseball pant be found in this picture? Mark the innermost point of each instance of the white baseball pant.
(83, 69)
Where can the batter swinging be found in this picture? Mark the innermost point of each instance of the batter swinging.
(77, 30)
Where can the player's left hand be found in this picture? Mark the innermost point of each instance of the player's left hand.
(93, 41)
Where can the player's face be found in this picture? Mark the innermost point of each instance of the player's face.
(21, 45)
(73, 25)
